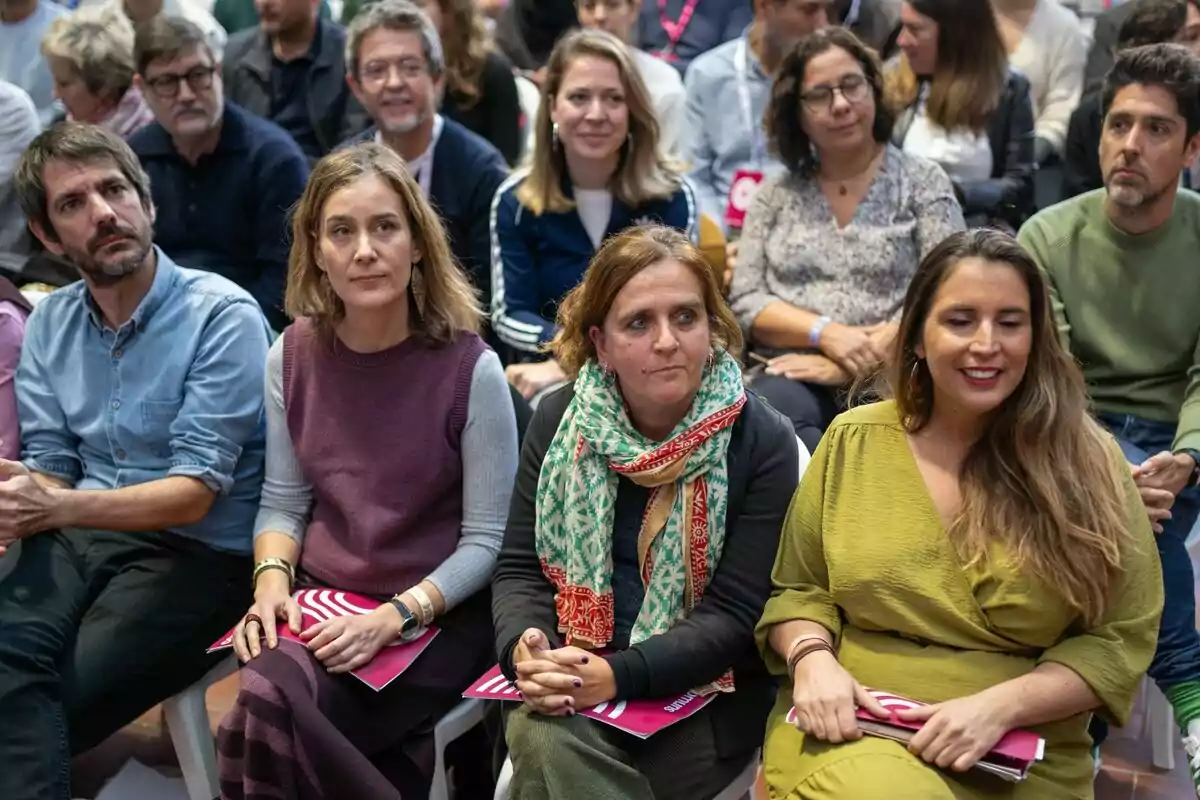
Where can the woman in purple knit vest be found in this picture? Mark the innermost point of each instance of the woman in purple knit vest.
(391, 452)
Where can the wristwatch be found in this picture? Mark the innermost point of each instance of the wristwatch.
(1194, 478)
(410, 626)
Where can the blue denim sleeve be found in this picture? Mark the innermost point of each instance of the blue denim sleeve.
(47, 444)
(222, 407)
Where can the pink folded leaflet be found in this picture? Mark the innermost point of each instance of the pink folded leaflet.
(642, 718)
(1010, 759)
(319, 604)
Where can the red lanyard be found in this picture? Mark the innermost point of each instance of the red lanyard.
(674, 30)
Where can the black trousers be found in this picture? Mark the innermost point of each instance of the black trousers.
(809, 406)
(96, 627)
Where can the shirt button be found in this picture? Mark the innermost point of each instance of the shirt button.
(116, 404)
(121, 454)
(192, 207)
(118, 352)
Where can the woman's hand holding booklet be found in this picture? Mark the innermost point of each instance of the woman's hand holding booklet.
(960, 734)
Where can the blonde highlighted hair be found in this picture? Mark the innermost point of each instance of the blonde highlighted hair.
(643, 174)
(441, 297)
(1045, 479)
(614, 265)
(97, 43)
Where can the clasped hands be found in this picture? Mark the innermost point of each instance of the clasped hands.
(26, 507)
(846, 351)
(341, 644)
(955, 734)
(1159, 479)
(559, 682)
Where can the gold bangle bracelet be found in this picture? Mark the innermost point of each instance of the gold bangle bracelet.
(273, 563)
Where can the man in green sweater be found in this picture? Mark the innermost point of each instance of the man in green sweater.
(1124, 269)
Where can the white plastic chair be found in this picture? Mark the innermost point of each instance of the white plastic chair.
(187, 722)
(1160, 719)
(742, 787)
(462, 718)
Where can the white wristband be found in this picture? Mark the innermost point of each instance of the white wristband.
(814, 333)
(425, 604)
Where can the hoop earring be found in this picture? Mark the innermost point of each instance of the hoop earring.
(554, 136)
(606, 371)
(712, 358)
(912, 375)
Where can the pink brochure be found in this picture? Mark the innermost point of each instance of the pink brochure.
(318, 605)
(1011, 758)
(642, 718)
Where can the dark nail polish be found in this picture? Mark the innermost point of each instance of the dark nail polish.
(570, 712)
(578, 683)
(583, 660)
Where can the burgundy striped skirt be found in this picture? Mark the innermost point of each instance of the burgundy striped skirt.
(298, 733)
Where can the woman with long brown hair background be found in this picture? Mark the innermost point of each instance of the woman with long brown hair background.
(481, 92)
(958, 103)
(975, 543)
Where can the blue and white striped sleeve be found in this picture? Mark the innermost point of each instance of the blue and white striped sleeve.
(515, 304)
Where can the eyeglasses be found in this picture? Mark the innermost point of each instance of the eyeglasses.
(167, 86)
(853, 87)
(377, 72)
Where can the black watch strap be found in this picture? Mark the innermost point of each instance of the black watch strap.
(409, 625)
(1194, 478)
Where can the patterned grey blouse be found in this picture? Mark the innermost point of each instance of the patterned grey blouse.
(793, 250)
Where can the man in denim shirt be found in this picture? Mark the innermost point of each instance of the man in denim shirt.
(140, 397)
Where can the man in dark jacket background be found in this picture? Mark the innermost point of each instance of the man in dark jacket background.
(291, 69)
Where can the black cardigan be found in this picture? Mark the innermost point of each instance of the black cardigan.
(496, 113)
(719, 633)
(1081, 154)
(1007, 195)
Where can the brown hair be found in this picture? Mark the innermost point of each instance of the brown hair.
(165, 37)
(75, 142)
(466, 43)
(972, 66)
(785, 134)
(443, 301)
(643, 173)
(1044, 479)
(621, 258)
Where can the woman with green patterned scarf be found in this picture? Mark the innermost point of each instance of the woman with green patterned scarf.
(644, 523)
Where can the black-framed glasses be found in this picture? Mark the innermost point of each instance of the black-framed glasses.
(167, 86)
(852, 87)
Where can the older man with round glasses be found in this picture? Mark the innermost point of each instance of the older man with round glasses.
(222, 179)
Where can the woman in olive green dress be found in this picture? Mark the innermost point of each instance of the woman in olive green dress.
(976, 543)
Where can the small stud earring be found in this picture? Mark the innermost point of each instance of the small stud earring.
(554, 135)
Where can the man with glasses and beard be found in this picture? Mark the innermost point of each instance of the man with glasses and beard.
(1125, 291)
(223, 179)
(139, 392)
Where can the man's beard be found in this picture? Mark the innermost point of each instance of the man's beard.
(406, 125)
(110, 273)
(1132, 198)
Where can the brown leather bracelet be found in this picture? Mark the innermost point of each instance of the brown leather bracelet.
(808, 648)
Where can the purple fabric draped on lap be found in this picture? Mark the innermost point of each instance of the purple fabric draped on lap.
(299, 733)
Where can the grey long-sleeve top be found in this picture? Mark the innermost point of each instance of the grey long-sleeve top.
(489, 459)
